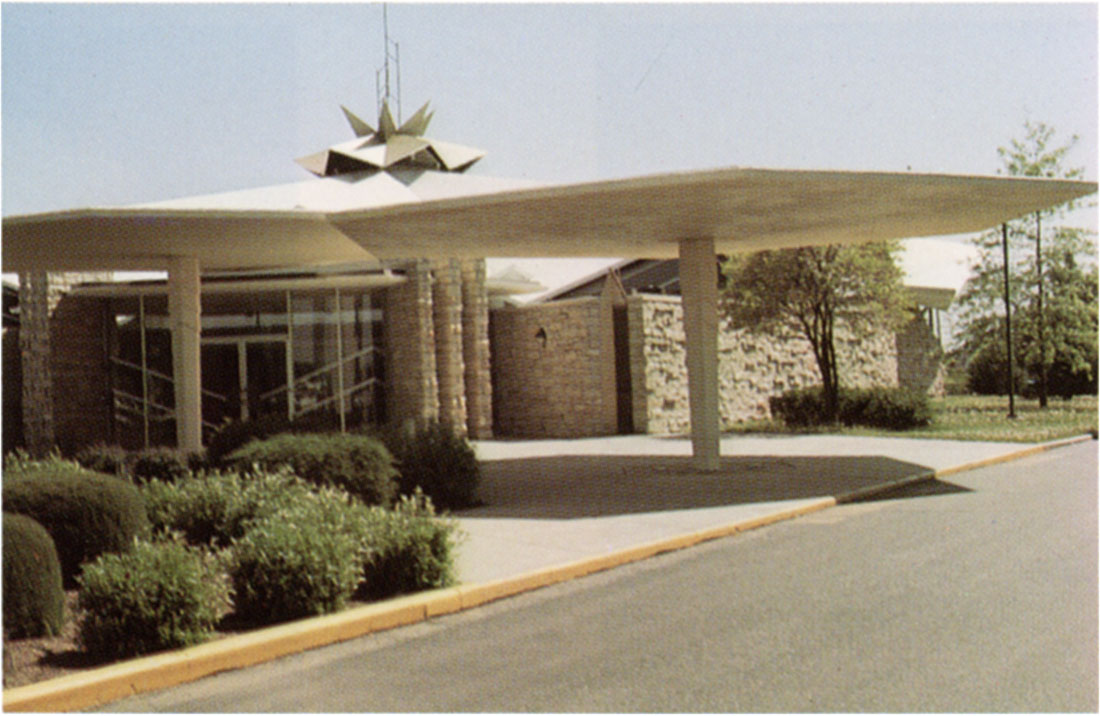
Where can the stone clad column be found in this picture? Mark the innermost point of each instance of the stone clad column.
(475, 350)
(699, 286)
(185, 318)
(447, 322)
(34, 348)
(412, 395)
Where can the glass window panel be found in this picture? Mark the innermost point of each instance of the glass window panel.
(314, 351)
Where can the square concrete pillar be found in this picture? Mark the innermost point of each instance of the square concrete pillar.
(699, 287)
(185, 319)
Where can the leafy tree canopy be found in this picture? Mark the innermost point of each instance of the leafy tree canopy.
(1060, 338)
(809, 289)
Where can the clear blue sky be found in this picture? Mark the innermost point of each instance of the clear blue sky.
(111, 104)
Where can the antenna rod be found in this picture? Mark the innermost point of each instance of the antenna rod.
(386, 45)
(383, 93)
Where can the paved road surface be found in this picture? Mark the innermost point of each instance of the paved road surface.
(976, 595)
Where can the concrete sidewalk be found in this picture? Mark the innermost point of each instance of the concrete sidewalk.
(557, 501)
(558, 510)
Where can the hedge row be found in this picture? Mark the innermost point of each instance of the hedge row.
(887, 408)
(374, 465)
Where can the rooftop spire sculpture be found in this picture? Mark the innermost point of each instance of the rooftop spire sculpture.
(390, 146)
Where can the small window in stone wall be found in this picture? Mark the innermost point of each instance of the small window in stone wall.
(540, 336)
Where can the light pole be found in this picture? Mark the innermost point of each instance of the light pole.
(1008, 326)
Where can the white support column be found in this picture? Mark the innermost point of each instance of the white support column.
(699, 288)
(185, 318)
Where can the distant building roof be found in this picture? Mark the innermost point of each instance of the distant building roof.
(934, 270)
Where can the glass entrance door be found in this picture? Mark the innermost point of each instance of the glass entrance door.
(243, 378)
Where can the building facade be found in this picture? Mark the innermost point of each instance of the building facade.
(412, 342)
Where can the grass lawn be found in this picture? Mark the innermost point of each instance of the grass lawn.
(976, 417)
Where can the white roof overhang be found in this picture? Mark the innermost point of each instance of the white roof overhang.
(740, 209)
(146, 239)
(932, 296)
(382, 279)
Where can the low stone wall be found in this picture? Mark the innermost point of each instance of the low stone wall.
(549, 370)
(751, 368)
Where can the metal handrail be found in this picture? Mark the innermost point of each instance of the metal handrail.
(331, 398)
(334, 365)
(168, 413)
(166, 378)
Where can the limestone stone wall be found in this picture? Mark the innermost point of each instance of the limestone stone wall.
(921, 363)
(51, 363)
(81, 373)
(751, 368)
(549, 369)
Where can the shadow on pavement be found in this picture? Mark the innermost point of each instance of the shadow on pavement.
(579, 486)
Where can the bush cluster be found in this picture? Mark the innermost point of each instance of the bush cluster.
(34, 601)
(215, 509)
(358, 464)
(888, 408)
(801, 407)
(108, 459)
(304, 529)
(303, 560)
(156, 463)
(238, 433)
(160, 595)
(86, 513)
(407, 549)
(443, 465)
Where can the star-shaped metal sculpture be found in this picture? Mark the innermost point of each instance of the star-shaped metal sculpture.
(390, 146)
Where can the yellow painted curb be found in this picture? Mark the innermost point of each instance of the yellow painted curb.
(1015, 455)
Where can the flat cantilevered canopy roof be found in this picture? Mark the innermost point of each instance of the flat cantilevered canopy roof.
(739, 209)
(423, 213)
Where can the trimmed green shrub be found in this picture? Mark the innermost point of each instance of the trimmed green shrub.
(408, 548)
(894, 409)
(437, 461)
(358, 464)
(19, 464)
(86, 513)
(216, 508)
(161, 463)
(34, 601)
(160, 595)
(887, 408)
(238, 433)
(108, 459)
(304, 560)
(801, 407)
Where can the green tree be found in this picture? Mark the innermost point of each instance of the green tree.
(811, 289)
(1052, 284)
